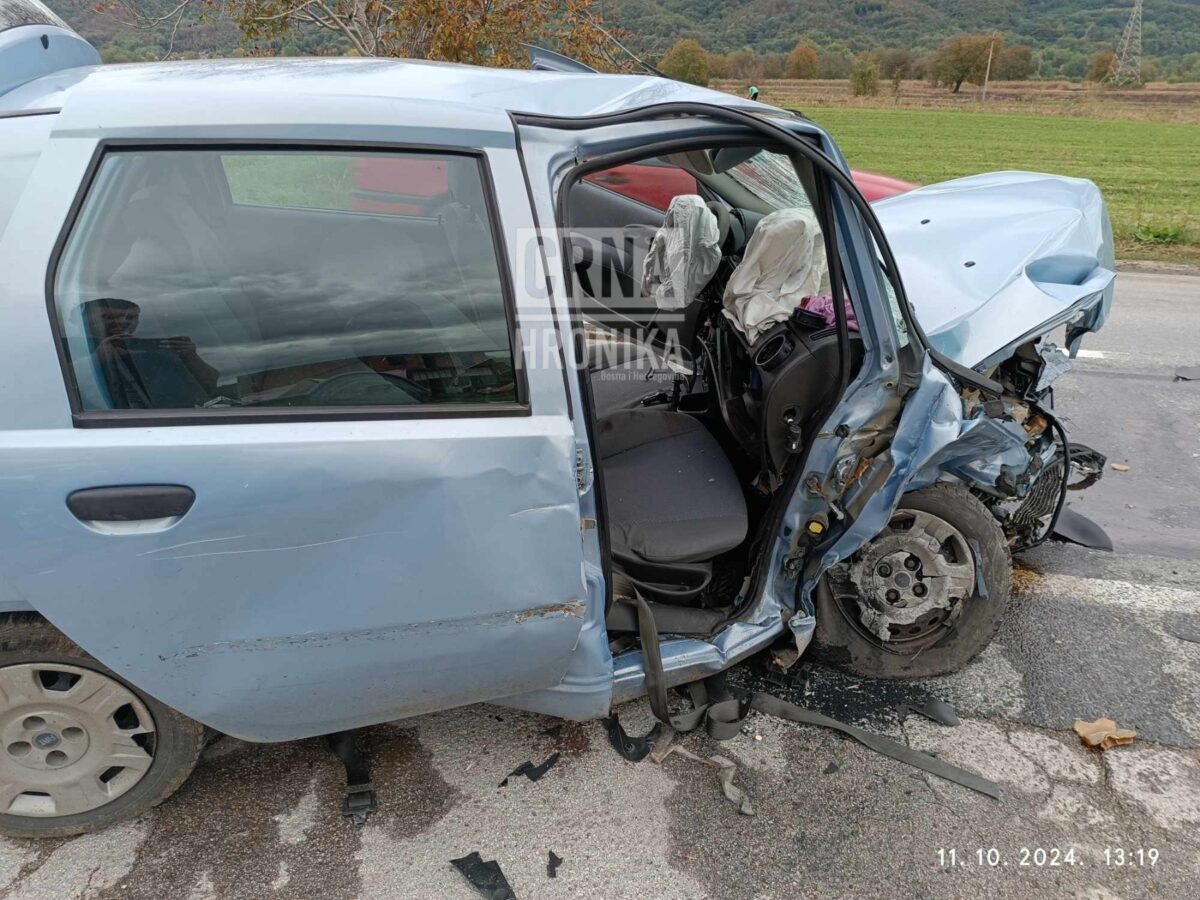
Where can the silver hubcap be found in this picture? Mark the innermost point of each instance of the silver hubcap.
(913, 578)
(71, 740)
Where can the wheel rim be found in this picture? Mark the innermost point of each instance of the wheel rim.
(71, 740)
(909, 584)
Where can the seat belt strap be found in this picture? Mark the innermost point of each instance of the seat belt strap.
(723, 717)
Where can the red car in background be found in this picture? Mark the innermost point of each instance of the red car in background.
(415, 187)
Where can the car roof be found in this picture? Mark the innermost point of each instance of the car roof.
(276, 92)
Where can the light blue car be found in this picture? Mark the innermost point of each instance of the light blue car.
(335, 391)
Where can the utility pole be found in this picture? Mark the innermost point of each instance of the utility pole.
(1127, 64)
(988, 73)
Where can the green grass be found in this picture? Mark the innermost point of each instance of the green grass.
(305, 180)
(1149, 171)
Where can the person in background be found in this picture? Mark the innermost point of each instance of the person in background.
(753, 92)
(144, 373)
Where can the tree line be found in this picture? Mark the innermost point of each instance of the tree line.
(490, 32)
(962, 59)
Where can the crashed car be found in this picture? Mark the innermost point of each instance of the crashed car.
(278, 466)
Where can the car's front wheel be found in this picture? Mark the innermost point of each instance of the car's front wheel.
(80, 748)
(922, 598)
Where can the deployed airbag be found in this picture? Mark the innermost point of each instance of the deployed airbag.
(784, 262)
(683, 255)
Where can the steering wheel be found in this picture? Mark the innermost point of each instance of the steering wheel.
(722, 213)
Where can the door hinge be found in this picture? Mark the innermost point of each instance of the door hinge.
(583, 470)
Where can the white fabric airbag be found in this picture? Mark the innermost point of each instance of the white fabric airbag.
(784, 262)
(683, 255)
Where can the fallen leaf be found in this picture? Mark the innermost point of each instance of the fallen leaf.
(1120, 467)
(1103, 733)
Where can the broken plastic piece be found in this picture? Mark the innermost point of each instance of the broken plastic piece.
(486, 877)
(530, 771)
(1103, 733)
(1077, 529)
(552, 864)
(1119, 467)
(1187, 373)
(1055, 362)
(933, 709)
(631, 748)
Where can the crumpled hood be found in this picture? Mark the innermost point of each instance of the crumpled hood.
(991, 261)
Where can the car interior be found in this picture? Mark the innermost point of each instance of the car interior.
(292, 291)
(702, 285)
(713, 354)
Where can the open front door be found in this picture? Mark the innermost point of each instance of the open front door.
(307, 480)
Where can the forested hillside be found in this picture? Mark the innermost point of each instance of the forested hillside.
(1064, 34)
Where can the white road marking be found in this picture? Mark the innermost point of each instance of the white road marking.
(1154, 598)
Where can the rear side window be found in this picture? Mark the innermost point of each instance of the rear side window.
(246, 280)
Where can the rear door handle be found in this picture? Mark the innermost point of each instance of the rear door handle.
(153, 504)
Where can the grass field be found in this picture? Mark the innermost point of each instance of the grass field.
(1158, 102)
(1148, 170)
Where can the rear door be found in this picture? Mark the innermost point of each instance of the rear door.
(280, 461)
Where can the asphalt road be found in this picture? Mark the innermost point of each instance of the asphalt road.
(1089, 635)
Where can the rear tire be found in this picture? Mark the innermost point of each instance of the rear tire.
(843, 641)
(72, 749)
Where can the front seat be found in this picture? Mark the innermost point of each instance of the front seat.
(673, 499)
(682, 256)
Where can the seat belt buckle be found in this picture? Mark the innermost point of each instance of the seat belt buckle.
(359, 802)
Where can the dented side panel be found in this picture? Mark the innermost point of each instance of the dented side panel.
(327, 577)
(330, 574)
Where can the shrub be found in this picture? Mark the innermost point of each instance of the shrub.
(1159, 234)
(686, 61)
(802, 62)
(864, 78)
(1100, 66)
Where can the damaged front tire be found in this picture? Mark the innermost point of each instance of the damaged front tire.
(924, 597)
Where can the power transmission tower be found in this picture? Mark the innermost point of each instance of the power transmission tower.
(1127, 64)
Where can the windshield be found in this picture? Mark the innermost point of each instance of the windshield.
(772, 178)
(26, 12)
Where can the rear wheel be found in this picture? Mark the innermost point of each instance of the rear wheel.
(922, 598)
(80, 748)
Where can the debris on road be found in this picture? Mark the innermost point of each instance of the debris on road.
(530, 771)
(1119, 467)
(1103, 733)
(485, 877)
(726, 770)
(833, 767)
(552, 864)
(631, 748)
(1184, 628)
(1187, 373)
(933, 709)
